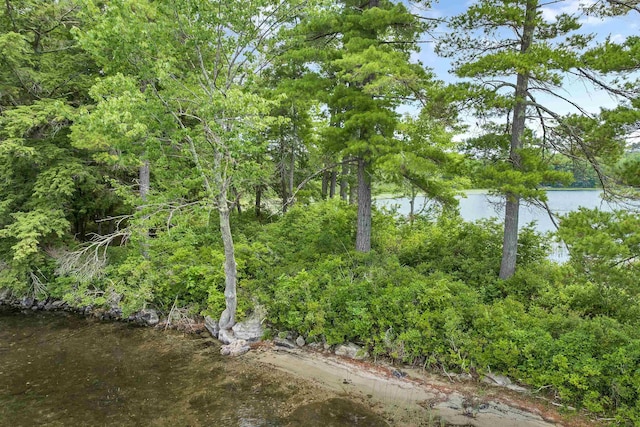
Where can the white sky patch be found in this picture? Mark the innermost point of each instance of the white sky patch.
(570, 7)
(618, 38)
(421, 10)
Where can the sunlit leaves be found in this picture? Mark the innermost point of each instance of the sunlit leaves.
(29, 229)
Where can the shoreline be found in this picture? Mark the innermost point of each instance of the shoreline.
(417, 398)
(405, 398)
(393, 196)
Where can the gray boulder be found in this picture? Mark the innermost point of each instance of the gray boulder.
(27, 302)
(5, 295)
(300, 341)
(495, 379)
(351, 351)
(283, 342)
(251, 328)
(115, 312)
(57, 305)
(148, 316)
(502, 381)
(236, 348)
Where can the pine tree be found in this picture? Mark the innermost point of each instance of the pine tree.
(362, 51)
(509, 55)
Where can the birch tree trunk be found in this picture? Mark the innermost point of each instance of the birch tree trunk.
(228, 316)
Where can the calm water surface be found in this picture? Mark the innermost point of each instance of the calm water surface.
(60, 370)
(474, 206)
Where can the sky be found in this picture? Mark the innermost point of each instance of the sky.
(586, 96)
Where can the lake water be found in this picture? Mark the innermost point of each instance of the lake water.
(476, 205)
(57, 369)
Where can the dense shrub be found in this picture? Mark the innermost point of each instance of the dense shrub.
(428, 294)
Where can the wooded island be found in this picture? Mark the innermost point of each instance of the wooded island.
(211, 157)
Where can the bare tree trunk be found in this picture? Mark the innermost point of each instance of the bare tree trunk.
(258, 201)
(222, 185)
(510, 238)
(344, 181)
(412, 206)
(228, 316)
(332, 184)
(363, 228)
(144, 178)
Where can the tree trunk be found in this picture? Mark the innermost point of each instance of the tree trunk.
(325, 185)
(363, 229)
(258, 201)
(412, 206)
(510, 238)
(236, 198)
(144, 178)
(332, 184)
(228, 316)
(353, 188)
(222, 182)
(344, 181)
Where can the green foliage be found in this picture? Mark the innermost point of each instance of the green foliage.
(51, 193)
(604, 248)
(30, 228)
(220, 104)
